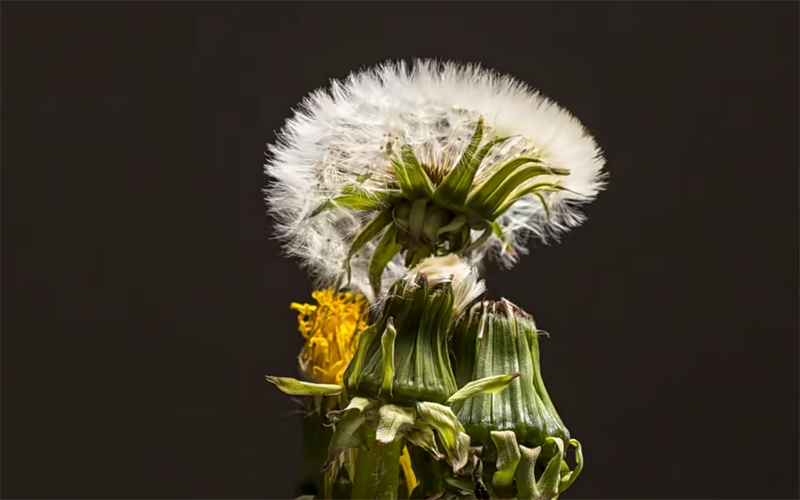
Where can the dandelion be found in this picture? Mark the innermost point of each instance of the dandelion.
(399, 163)
(400, 383)
(330, 329)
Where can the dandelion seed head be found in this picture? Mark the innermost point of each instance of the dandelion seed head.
(341, 136)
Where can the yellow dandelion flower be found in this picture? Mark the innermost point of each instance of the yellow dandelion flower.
(331, 331)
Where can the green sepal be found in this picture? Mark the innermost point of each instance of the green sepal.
(391, 419)
(544, 205)
(387, 355)
(325, 205)
(384, 252)
(421, 434)
(451, 433)
(477, 199)
(547, 487)
(348, 421)
(454, 189)
(364, 200)
(422, 253)
(512, 184)
(569, 476)
(453, 226)
(361, 179)
(487, 232)
(536, 188)
(416, 219)
(436, 217)
(455, 184)
(401, 213)
(371, 230)
(508, 457)
(498, 231)
(526, 473)
(414, 182)
(353, 371)
(486, 385)
(299, 388)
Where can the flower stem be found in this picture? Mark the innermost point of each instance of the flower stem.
(377, 469)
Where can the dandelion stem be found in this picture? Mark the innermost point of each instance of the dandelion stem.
(377, 470)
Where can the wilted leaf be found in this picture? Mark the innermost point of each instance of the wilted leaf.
(392, 418)
(299, 388)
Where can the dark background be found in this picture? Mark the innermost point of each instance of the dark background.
(143, 298)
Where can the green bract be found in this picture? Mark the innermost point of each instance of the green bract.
(428, 213)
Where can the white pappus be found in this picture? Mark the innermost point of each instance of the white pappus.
(338, 139)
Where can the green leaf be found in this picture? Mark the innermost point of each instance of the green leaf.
(384, 252)
(299, 388)
(387, 356)
(570, 477)
(371, 230)
(350, 419)
(451, 433)
(486, 385)
(391, 419)
(508, 457)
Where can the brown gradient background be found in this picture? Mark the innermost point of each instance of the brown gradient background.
(143, 299)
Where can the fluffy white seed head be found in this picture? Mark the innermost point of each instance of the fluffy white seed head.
(338, 137)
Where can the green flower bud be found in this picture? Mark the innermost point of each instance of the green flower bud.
(524, 440)
(496, 338)
(403, 357)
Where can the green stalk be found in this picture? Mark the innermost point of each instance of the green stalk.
(377, 470)
(314, 452)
